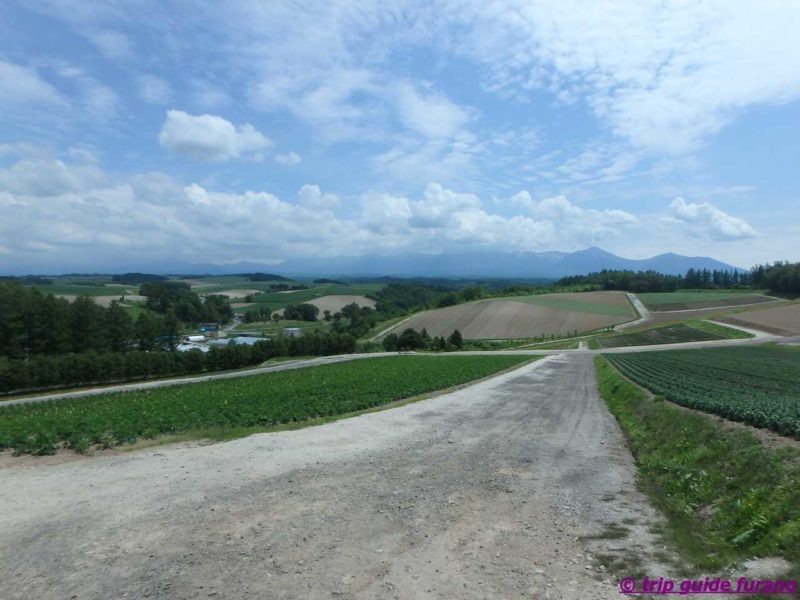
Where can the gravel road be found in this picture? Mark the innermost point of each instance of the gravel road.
(486, 492)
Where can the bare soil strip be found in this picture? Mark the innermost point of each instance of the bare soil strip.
(781, 320)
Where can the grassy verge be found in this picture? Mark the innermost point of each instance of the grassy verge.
(259, 401)
(725, 496)
(720, 330)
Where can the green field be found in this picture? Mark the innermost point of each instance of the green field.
(759, 385)
(270, 328)
(560, 303)
(255, 401)
(656, 299)
(693, 331)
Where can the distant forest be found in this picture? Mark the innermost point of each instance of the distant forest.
(779, 277)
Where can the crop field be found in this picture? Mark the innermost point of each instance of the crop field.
(336, 302)
(672, 334)
(277, 300)
(596, 303)
(67, 289)
(514, 319)
(688, 300)
(781, 320)
(759, 385)
(255, 401)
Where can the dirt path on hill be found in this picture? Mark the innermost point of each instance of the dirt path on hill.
(486, 492)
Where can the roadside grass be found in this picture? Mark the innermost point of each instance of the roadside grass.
(687, 331)
(728, 333)
(623, 309)
(258, 401)
(726, 497)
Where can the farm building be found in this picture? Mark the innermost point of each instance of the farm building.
(249, 341)
(186, 347)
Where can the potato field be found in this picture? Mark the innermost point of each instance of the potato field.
(758, 385)
(254, 401)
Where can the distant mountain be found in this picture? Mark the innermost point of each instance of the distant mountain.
(495, 264)
(483, 265)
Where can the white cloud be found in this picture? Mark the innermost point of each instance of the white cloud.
(21, 86)
(664, 75)
(289, 159)
(431, 114)
(77, 212)
(112, 44)
(311, 196)
(96, 98)
(209, 137)
(707, 221)
(153, 89)
(590, 226)
(48, 177)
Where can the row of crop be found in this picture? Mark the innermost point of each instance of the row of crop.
(262, 400)
(759, 385)
(742, 368)
(662, 335)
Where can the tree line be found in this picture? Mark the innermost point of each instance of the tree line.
(778, 277)
(33, 323)
(92, 367)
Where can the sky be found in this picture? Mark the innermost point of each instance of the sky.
(203, 132)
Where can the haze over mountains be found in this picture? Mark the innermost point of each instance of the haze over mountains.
(466, 264)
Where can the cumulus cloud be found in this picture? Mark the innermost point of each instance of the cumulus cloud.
(49, 177)
(209, 137)
(289, 159)
(75, 211)
(707, 221)
(311, 196)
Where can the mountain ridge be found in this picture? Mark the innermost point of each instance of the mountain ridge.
(551, 264)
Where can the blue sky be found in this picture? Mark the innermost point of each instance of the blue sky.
(207, 132)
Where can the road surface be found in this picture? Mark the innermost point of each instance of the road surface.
(486, 492)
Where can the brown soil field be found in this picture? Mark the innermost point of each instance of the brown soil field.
(231, 294)
(609, 298)
(671, 317)
(712, 303)
(503, 319)
(782, 320)
(335, 303)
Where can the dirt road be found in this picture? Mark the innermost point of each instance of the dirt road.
(485, 492)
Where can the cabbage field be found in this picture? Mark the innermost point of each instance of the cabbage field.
(759, 385)
(253, 401)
